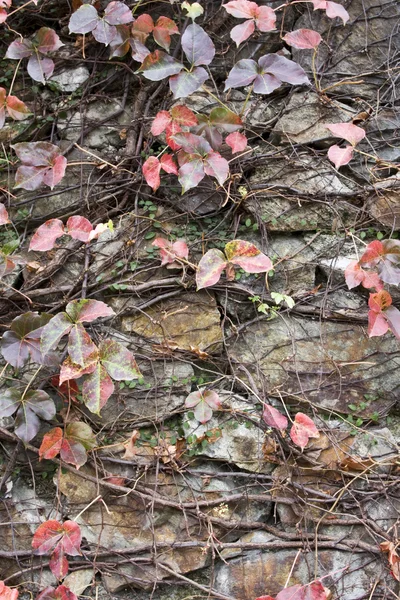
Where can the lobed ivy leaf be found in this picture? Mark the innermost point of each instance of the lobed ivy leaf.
(261, 16)
(22, 340)
(356, 275)
(171, 252)
(86, 20)
(216, 166)
(303, 429)
(266, 76)
(386, 257)
(72, 445)
(29, 409)
(118, 361)
(55, 329)
(60, 539)
(382, 316)
(62, 592)
(42, 163)
(204, 402)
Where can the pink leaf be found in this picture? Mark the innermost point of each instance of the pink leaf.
(236, 141)
(191, 173)
(247, 256)
(241, 9)
(354, 274)
(274, 418)
(265, 18)
(210, 268)
(302, 429)
(182, 115)
(204, 402)
(97, 231)
(340, 156)
(60, 593)
(6, 593)
(86, 311)
(303, 39)
(168, 164)
(347, 131)
(373, 253)
(16, 108)
(333, 9)
(151, 171)
(46, 235)
(242, 32)
(216, 166)
(377, 324)
(79, 228)
(162, 119)
(392, 315)
(3, 215)
(54, 175)
(46, 40)
(3, 15)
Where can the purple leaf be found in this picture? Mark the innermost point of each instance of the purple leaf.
(54, 175)
(29, 178)
(118, 361)
(40, 69)
(117, 13)
(216, 166)
(284, 69)
(204, 402)
(187, 82)
(9, 401)
(266, 84)
(158, 65)
(19, 49)
(104, 32)
(197, 45)
(210, 268)
(392, 315)
(22, 340)
(243, 73)
(36, 154)
(83, 20)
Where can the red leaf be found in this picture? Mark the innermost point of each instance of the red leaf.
(170, 252)
(168, 164)
(347, 131)
(172, 129)
(3, 215)
(333, 9)
(79, 228)
(191, 172)
(60, 593)
(58, 563)
(303, 39)
(54, 175)
(302, 429)
(340, 156)
(216, 166)
(354, 274)
(274, 418)
(73, 453)
(46, 235)
(52, 534)
(96, 389)
(182, 115)
(142, 27)
(163, 30)
(6, 593)
(51, 444)
(70, 371)
(236, 141)
(151, 171)
(81, 348)
(210, 268)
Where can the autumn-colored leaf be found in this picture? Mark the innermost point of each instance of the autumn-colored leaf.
(22, 340)
(46, 235)
(210, 268)
(7, 593)
(52, 533)
(274, 418)
(303, 39)
(151, 171)
(62, 592)
(51, 444)
(340, 156)
(247, 256)
(303, 429)
(86, 311)
(347, 131)
(236, 141)
(4, 219)
(394, 559)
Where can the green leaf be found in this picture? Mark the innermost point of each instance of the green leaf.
(118, 361)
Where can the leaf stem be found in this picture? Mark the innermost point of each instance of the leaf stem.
(30, 381)
(14, 76)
